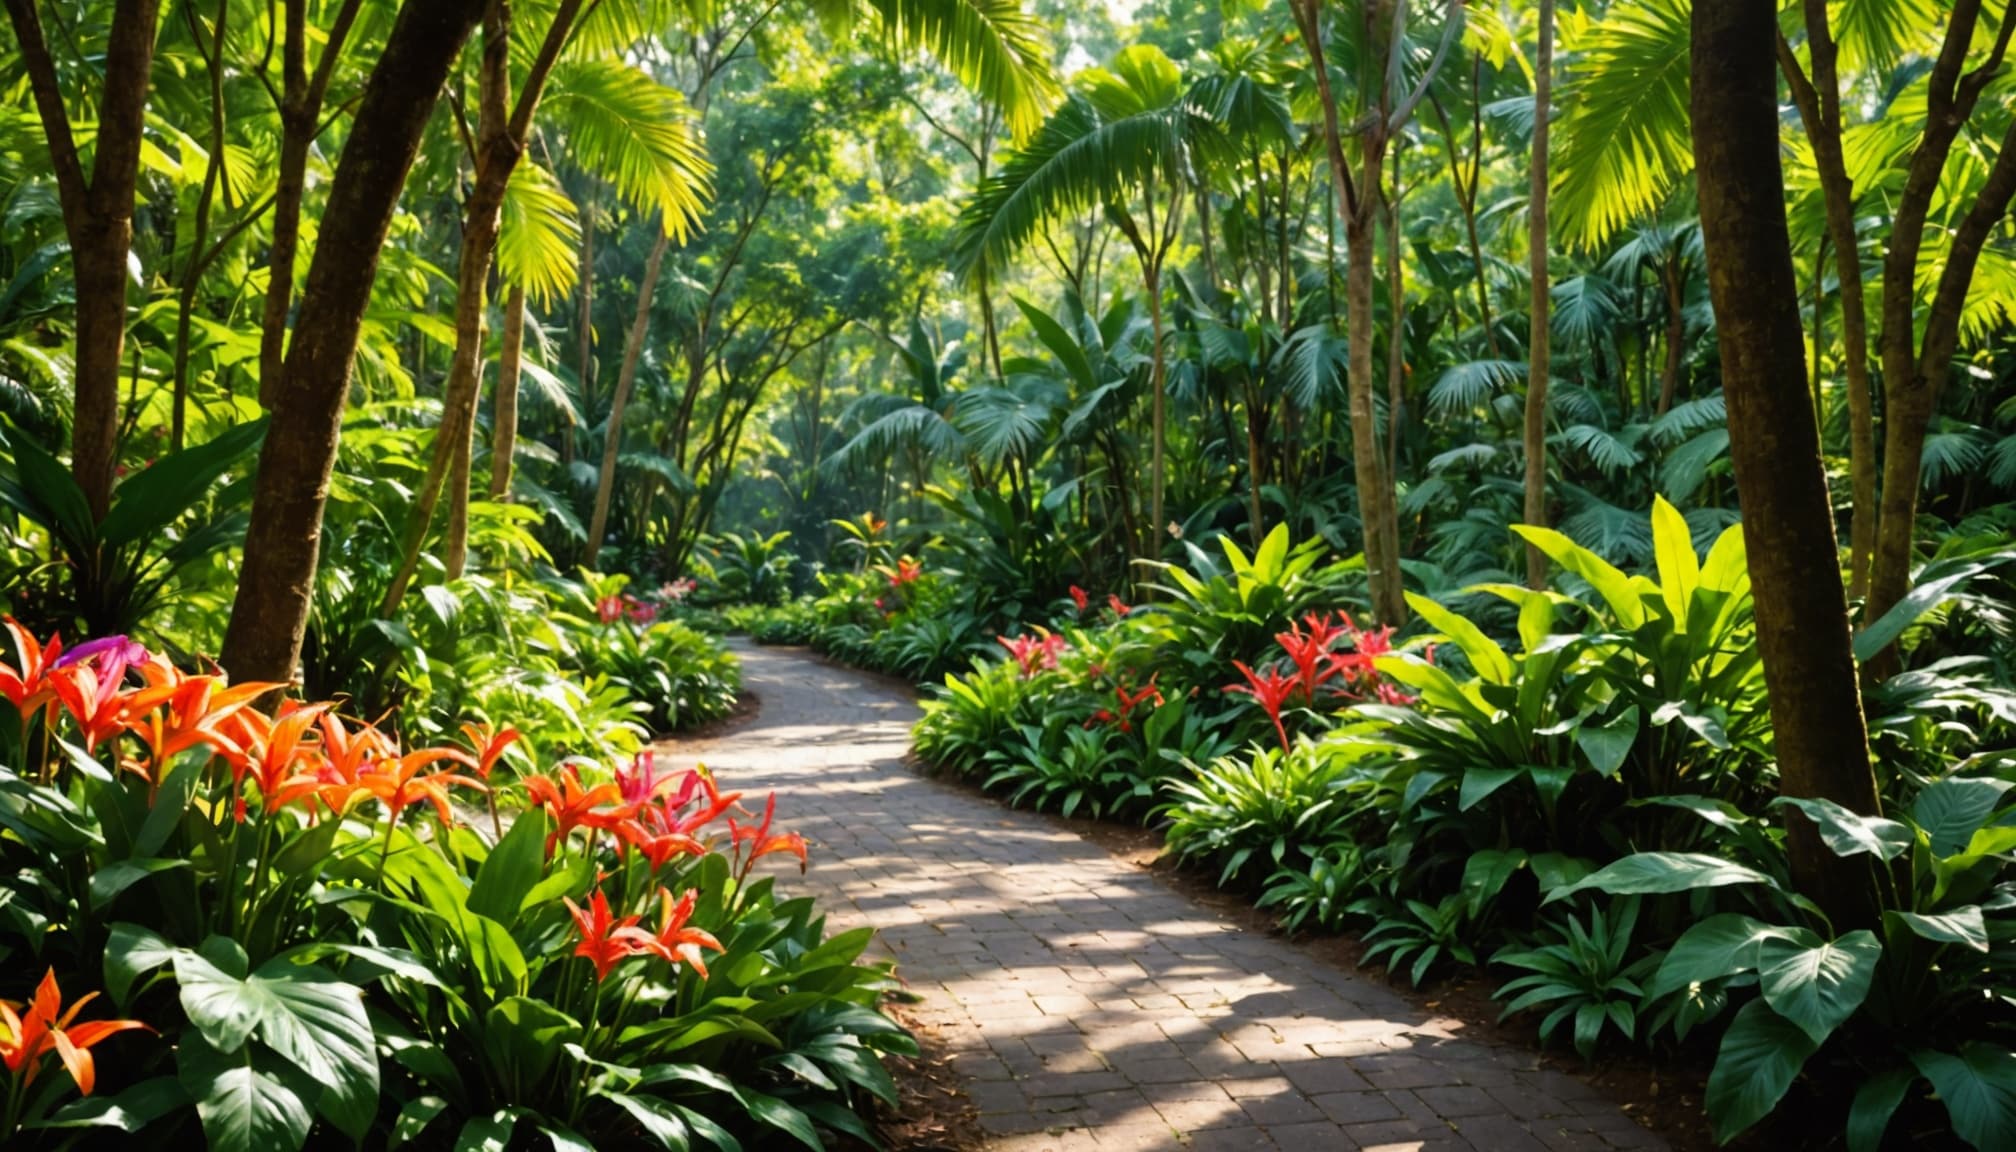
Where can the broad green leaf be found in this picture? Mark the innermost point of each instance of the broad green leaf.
(1723, 945)
(1612, 585)
(1485, 873)
(147, 503)
(414, 1118)
(1951, 809)
(1978, 1086)
(129, 1111)
(1850, 833)
(1480, 782)
(1875, 1102)
(1664, 872)
(775, 1113)
(512, 869)
(1483, 653)
(658, 1121)
(130, 953)
(246, 1100)
(487, 1133)
(1818, 987)
(1679, 567)
(1965, 926)
(1608, 745)
(1761, 1055)
(108, 882)
(522, 1037)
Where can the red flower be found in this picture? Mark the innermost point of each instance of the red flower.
(609, 608)
(27, 687)
(1032, 653)
(274, 754)
(907, 572)
(573, 806)
(488, 747)
(605, 940)
(1081, 598)
(641, 782)
(1271, 690)
(1119, 608)
(398, 783)
(1126, 703)
(762, 842)
(658, 847)
(667, 816)
(638, 611)
(674, 940)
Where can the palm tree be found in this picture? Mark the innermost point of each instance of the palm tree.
(1538, 367)
(1130, 130)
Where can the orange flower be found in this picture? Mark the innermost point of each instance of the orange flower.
(274, 755)
(674, 940)
(92, 702)
(47, 1028)
(176, 712)
(488, 748)
(605, 940)
(397, 782)
(658, 848)
(573, 806)
(27, 687)
(762, 842)
(345, 755)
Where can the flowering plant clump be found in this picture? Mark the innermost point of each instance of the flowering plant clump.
(1036, 653)
(276, 896)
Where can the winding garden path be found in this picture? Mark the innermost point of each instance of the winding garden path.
(1090, 1006)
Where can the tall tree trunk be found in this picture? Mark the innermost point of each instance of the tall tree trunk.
(1915, 367)
(1396, 338)
(282, 543)
(1819, 103)
(1788, 524)
(501, 131)
(504, 417)
(300, 111)
(626, 379)
(1158, 381)
(1676, 333)
(97, 217)
(1539, 358)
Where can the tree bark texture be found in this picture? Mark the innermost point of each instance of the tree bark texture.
(1788, 526)
(626, 379)
(1539, 346)
(504, 414)
(291, 488)
(97, 217)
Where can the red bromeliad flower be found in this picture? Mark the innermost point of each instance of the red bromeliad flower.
(762, 842)
(671, 816)
(657, 847)
(674, 940)
(1081, 598)
(1035, 654)
(573, 806)
(908, 571)
(1126, 702)
(1119, 606)
(609, 608)
(605, 940)
(46, 1028)
(638, 611)
(641, 782)
(1271, 690)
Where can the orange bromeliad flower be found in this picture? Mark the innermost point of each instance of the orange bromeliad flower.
(487, 747)
(47, 1028)
(27, 687)
(762, 842)
(397, 782)
(605, 940)
(674, 940)
(573, 806)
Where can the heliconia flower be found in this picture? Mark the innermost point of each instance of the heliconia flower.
(1118, 605)
(1081, 598)
(45, 1027)
(605, 940)
(675, 941)
(762, 842)
(1270, 690)
(487, 746)
(908, 571)
(573, 806)
(398, 783)
(875, 523)
(642, 782)
(27, 687)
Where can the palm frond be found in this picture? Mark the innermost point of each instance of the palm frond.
(1951, 450)
(1467, 387)
(1624, 135)
(637, 134)
(539, 231)
(911, 426)
(2002, 463)
(1689, 418)
(1584, 309)
(995, 48)
(1004, 423)
(1619, 535)
(1314, 357)
(1611, 452)
(1685, 468)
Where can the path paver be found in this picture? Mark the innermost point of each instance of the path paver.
(1088, 1005)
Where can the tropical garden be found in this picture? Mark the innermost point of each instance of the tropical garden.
(1530, 486)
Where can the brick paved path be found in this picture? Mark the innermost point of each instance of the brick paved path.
(1090, 1006)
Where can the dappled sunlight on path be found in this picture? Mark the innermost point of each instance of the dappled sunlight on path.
(1092, 1007)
